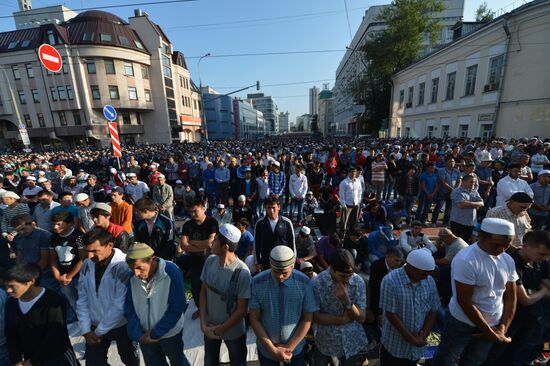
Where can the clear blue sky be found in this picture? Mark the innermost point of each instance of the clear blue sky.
(224, 27)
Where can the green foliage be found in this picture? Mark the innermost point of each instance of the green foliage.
(391, 50)
(484, 14)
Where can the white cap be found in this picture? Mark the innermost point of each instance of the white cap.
(42, 180)
(498, 226)
(103, 206)
(421, 259)
(544, 172)
(230, 232)
(277, 164)
(305, 265)
(179, 181)
(241, 198)
(305, 230)
(486, 156)
(130, 175)
(41, 172)
(281, 257)
(112, 170)
(11, 194)
(201, 189)
(161, 176)
(154, 166)
(81, 197)
(30, 177)
(220, 205)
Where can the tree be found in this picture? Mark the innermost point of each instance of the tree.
(484, 14)
(391, 50)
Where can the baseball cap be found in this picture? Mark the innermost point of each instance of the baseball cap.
(103, 206)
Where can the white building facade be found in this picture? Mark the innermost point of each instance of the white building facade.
(494, 81)
(352, 65)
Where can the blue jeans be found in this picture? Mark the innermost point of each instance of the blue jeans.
(155, 354)
(458, 341)
(424, 205)
(297, 360)
(71, 294)
(236, 347)
(260, 208)
(299, 205)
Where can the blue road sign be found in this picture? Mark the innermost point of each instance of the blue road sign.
(109, 112)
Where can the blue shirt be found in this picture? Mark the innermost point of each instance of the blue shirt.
(276, 183)
(29, 247)
(245, 244)
(411, 302)
(449, 177)
(222, 175)
(464, 216)
(282, 306)
(430, 181)
(339, 340)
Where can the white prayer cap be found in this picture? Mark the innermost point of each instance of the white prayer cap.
(421, 259)
(230, 232)
(498, 226)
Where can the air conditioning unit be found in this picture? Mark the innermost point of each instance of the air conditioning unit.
(408, 105)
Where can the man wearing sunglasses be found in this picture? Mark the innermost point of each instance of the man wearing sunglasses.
(409, 300)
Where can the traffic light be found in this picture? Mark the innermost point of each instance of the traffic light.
(258, 85)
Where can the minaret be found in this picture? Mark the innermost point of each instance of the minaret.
(25, 5)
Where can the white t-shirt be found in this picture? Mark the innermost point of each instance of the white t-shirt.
(26, 306)
(489, 274)
(273, 224)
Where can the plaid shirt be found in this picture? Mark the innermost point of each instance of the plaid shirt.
(276, 183)
(411, 303)
(282, 306)
(522, 222)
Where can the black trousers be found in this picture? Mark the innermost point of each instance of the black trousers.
(97, 355)
(386, 359)
(462, 231)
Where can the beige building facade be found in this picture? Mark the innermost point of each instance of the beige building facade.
(106, 60)
(492, 82)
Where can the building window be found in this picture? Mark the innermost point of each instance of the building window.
(138, 118)
(106, 37)
(445, 131)
(62, 118)
(41, 121)
(53, 93)
(144, 72)
(132, 93)
(463, 131)
(486, 131)
(12, 45)
(407, 132)
(16, 73)
(166, 66)
(35, 96)
(435, 90)
(401, 97)
(22, 97)
(30, 71)
(65, 67)
(90, 65)
(113, 92)
(410, 97)
(451, 79)
(471, 74)
(109, 66)
(126, 118)
(139, 44)
(123, 41)
(147, 93)
(70, 93)
(77, 119)
(28, 121)
(495, 72)
(430, 133)
(96, 95)
(421, 89)
(62, 93)
(88, 36)
(51, 37)
(128, 69)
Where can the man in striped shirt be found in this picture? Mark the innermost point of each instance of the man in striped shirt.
(379, 168)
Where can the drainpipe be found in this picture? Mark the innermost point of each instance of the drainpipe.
(502, 74)
(390, 116)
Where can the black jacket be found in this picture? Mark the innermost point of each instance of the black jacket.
(162, 238)
(40, 335)
(96, 192)
(265, 239)
(402, 185)
(253, 188)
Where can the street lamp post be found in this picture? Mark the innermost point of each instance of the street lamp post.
(203, 120)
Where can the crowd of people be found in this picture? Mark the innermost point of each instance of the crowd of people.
(324, 248)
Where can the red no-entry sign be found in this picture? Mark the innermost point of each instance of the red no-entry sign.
(50, 58)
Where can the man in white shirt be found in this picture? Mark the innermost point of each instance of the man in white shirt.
(298, 188)
(484, 297)
(135, 190)
(511, 184)
(415, 239)
(350, 192)
(43, 211)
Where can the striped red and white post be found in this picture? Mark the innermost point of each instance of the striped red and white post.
(115, 141)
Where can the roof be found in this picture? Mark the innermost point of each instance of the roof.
(325, 94)
(91, 27)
